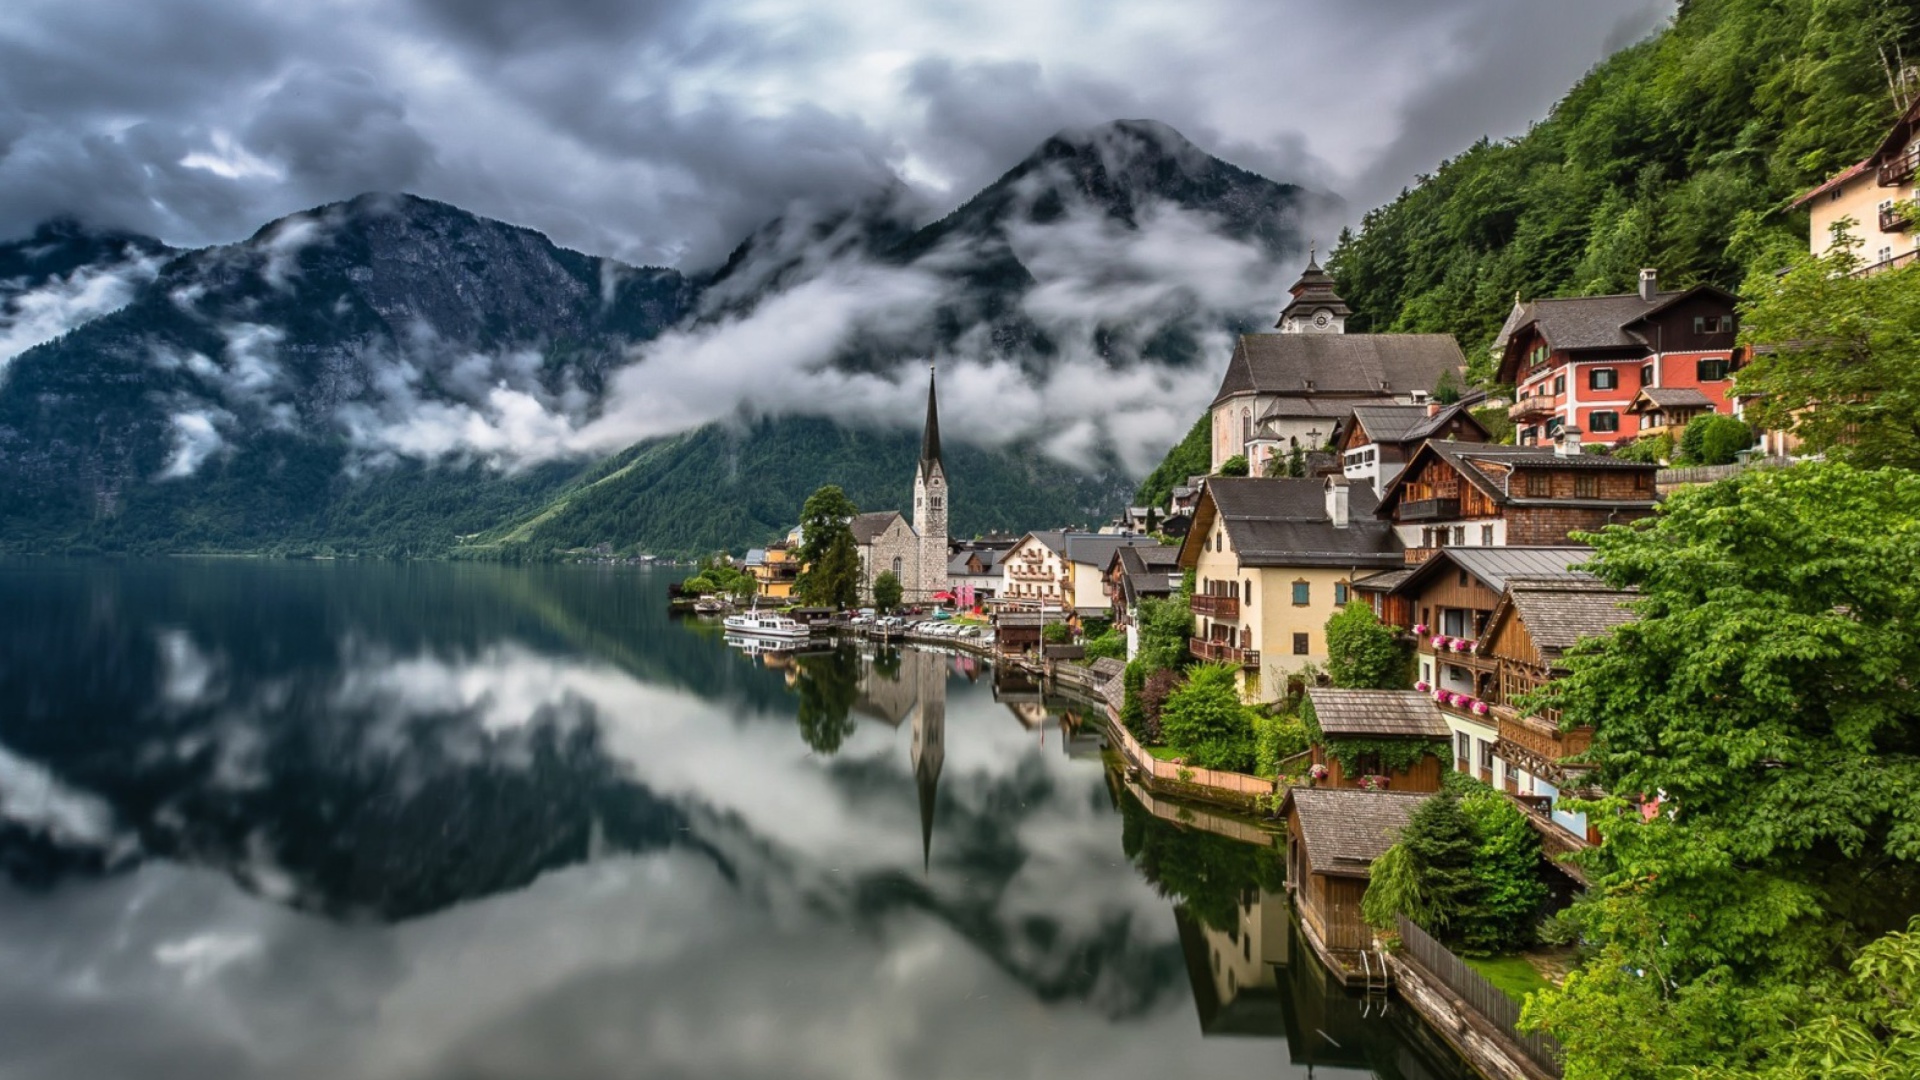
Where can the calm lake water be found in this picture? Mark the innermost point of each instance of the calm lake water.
(343, 821)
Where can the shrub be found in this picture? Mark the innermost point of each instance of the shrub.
(1056, 634)
(1714, 440)
(1205, 721)
(1362, 653)
(1276, 738)
(1111, 645)
(1234, 466)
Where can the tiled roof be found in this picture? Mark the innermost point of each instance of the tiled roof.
(989, 561)
(1559, 613)
(1673, 397)
(1377, 713)
(1096, 549)
(868, 526)
(1283, 522)
(1365, 365)
(1385, 581)
(1583, 322)
(1346, 829)
(1149, 569)
(1498, 565)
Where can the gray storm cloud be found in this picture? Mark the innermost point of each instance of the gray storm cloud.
(661, 132)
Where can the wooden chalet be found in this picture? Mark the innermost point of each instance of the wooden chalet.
(1374, 442)
(1378, 715)
(1486, 495)
(1333, 837)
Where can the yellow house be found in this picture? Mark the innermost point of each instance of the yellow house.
(776, 571)
(1872, 194)
(1273, 560)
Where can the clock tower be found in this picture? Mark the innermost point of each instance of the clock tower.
(1315, 307)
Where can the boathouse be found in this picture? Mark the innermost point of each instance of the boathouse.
(1333, 837)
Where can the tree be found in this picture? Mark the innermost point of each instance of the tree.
(1843, 368)
(1056, 633)
(1234, 466)
(1440, 847)
(1362, 652)
(1205, 721)
(887, 591)
(823, 524)
(1508, 888)
(1166, 627)
(1714, 439)
(835, 580)
(828, 687)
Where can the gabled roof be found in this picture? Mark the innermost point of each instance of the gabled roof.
(1377, 713)
(867, 527)
(1496, 566)
(1669, 398)
(1351, 365)
(989, 561)
(1407, 423)
(1345, 829)
(1096, 549)
(1558, 613)
(1836, 180)
(1147, 569)
(1589, 323)
(1464, 456)
(1054, 540)
(1283, 522)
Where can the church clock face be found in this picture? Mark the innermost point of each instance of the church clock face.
(1321, 319)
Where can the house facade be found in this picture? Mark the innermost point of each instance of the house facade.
(1290, 388)
(1873, 195)
(1333, 837)
(1273, 560)
(1087, 557)
(1405, 717)
(1488, 495)
(1375, 441)
(1034, 570)
(1580, 362)
(1140, 572)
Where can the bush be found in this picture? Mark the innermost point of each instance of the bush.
(1651, 449)
(1234, 466)
(1056, 634)
(1714, 440)
(1205, 721)
(1362, 653)
(1276, 738)
(1467, 868)
(1111, 645)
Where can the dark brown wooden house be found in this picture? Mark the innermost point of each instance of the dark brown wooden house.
(1486, 495)
(1376, 441)
(1333, 837)
(1397, 716)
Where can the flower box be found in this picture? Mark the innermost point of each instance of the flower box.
(1462, 645)
(1422, 686)
(1440, 642)
(1318, 772)
(1480, 708)
(1419, 629)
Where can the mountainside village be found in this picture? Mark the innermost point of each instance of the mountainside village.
(1360, 469)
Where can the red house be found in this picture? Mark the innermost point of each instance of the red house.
(1581, 361)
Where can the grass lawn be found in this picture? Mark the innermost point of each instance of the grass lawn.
(1164, 753)
(1515, 977)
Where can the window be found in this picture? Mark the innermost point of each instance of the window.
(1603, 421)
(1462, 748)
(1713, 324)
(1486, 536)
(1605, 378)
(1554, 424)
(1586, 486)
(1486, 755)
(1646, 375)
(1302, 594)
(1539, 485)
(1246, 425)
(1642, 481)
(1465, 579)
(1559, 385)
(896, 566)
(1248, 587)
(1341, 594)
(1459, 535)
(935, 501)
(1710, 370)
(1299, 644)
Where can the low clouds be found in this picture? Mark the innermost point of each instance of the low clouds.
(661, 132)
(34, 313)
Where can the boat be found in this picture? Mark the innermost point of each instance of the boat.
(709, 606)
(765, 624)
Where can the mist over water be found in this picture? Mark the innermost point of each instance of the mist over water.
(343, 820)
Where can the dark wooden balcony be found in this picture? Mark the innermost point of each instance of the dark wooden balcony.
(1898, 170)
(1539, 738)
(1430, 510)
(1530, 407)
(1223, 652)
(1216, 607)
(1894, 218)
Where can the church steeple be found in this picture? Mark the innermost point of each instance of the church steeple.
(1315, 308)
(930, 438)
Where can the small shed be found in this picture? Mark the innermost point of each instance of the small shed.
(1333, 837)
(1384, 718)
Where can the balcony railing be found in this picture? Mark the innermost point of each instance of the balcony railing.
(1429, 509)
(1894, 218)
(1216, 607)
(1530, 407)
(1223, 652)
(1540, 738)
(1899, 170)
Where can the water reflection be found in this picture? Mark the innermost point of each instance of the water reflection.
(293, 820)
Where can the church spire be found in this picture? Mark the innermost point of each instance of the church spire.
(930, 440)
(1316, 308)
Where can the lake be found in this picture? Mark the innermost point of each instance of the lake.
(340, 820)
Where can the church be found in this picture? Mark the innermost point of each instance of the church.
(917, 553)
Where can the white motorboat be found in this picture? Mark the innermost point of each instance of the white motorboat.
(766, 624)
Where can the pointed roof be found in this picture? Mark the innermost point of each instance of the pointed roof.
(930, 439)
(1314, 290)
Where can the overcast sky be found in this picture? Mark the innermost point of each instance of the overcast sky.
(660, 131)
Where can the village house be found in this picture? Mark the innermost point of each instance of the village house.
(1875, 195)
(1273, 559)
(976, 572)
(1138, 572)
(1488, 495)
(1290, 388)
(1447, 603)
(1580, 362)
(1086, 557)
(1034, 571)
(1377, 718)
(775, 569)
(1375, 441)
(1333, 837)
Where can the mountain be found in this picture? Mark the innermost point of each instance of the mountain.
(65, 274)
(384, 375)
(1673, 154)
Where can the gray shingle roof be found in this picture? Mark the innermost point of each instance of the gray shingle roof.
(1497, 565)
(1356, 365)
(1096, 549)
(1346, 829)
(1384, 581)
(867, 526)
(1283, 522)
(1584, 322)
(1559, 613)
(1377, 713)
(1673, 397)
(989, 561)
(1149, 569)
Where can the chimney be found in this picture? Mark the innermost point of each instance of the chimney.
(1649, 284)
(1433, 409)
(1569, 442)
(1337, 501)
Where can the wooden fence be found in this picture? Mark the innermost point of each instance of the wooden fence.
(1479, 995)
(1707, 474)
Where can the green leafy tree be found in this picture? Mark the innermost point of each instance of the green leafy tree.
(1205, 721)
(1509, 889)
(1843, 370)
(822, 518)
(1056, 633)
(1362, 652)
(1166, 627)
(1714, 440)
(1276, 738)
(1234, 466)
(834, 581)
(887, 591)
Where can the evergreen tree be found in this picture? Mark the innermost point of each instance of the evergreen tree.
(835, 580)
(1440, 846)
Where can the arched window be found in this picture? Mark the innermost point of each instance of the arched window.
(896, 566)
(1246, 426)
